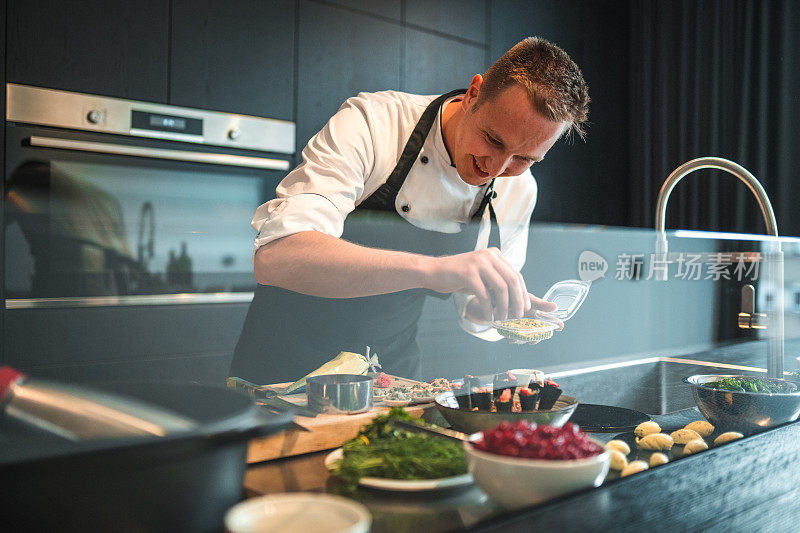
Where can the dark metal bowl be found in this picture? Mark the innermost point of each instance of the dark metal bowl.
(468, 421)
(746, 412)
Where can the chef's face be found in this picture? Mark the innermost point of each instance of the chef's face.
(501, 137)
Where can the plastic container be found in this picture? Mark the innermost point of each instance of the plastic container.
(568, 295)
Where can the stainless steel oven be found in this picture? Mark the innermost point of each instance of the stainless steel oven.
(126, 230)
(115, 201)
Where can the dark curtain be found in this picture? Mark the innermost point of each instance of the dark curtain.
(715, 78)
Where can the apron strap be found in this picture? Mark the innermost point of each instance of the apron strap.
(384, 198)
(488, 196)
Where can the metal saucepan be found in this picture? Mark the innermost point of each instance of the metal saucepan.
(340, 393)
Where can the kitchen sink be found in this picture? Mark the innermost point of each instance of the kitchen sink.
(654, 386)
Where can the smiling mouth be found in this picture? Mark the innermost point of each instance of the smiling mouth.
(478, 170)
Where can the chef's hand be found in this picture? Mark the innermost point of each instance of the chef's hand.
(541, 309)
(475, 314)
(499, 289)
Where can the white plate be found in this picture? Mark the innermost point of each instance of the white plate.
(299, 511)
(403, 485)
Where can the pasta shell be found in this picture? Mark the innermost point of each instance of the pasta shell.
(694, 446)
(646, 428)
(619, 445)
(703, 428)
(727, 437)
(634, 467)
(658, 459)
(656, 441)
(618, 460)
(682, 436)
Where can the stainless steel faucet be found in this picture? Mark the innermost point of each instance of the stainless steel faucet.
(774, 260)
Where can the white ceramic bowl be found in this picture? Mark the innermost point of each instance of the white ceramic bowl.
(515, 482)
(299, 511)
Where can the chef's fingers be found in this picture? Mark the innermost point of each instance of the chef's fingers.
(496, 285)
(528, 304)
(516, 291)
(542, 309)
(484, 298)
(545, 315)
(542, 305)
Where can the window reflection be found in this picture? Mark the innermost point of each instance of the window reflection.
(85, 229)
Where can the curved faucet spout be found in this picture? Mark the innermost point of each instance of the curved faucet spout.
(774, 259)
(719, 164)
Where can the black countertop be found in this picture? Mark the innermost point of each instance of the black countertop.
(750, 484)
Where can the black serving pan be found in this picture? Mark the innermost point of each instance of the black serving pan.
(181, 482)
(598, 418)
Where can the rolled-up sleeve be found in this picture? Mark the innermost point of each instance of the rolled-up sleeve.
(514, 213)
(320, 193)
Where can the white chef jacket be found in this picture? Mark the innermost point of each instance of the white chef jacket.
(355, 153)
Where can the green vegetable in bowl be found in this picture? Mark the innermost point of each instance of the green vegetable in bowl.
(748, 384)
(382, 451)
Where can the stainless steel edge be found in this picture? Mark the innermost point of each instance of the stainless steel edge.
(160, 153)
(642, 361)
(120, 301)
(65, 109)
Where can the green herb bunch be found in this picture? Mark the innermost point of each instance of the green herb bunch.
(747, 384)
(382, 451)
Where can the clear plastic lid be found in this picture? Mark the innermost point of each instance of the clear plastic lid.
(568, 295)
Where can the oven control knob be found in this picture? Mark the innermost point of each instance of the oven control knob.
(95, 116)
(233, 134)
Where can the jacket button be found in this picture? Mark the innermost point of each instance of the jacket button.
(424, 159)
(405, 208)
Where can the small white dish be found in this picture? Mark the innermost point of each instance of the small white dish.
(404, 485)
(516, 482)
(299, 511)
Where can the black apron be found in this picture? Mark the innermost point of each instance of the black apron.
(286, 334)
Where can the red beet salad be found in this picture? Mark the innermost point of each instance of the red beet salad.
(524, 439)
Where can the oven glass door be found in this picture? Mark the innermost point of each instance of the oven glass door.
(86, 227)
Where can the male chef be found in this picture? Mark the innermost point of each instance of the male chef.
(432, 165)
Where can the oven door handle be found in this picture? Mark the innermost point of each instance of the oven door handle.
(160, 153)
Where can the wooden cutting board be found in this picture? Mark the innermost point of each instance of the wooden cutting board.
(322, 432)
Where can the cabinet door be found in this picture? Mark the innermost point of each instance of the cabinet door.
(236, 57)
(341, 54)
(108, 47)
(436, 65)
(465, 19)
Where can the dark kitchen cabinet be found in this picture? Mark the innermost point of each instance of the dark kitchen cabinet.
(435, 65)
(465, 19)
(236, 57)
(341, 54)
(392, 9)
(108, 47)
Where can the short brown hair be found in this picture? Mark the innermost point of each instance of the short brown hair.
(554, 83)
